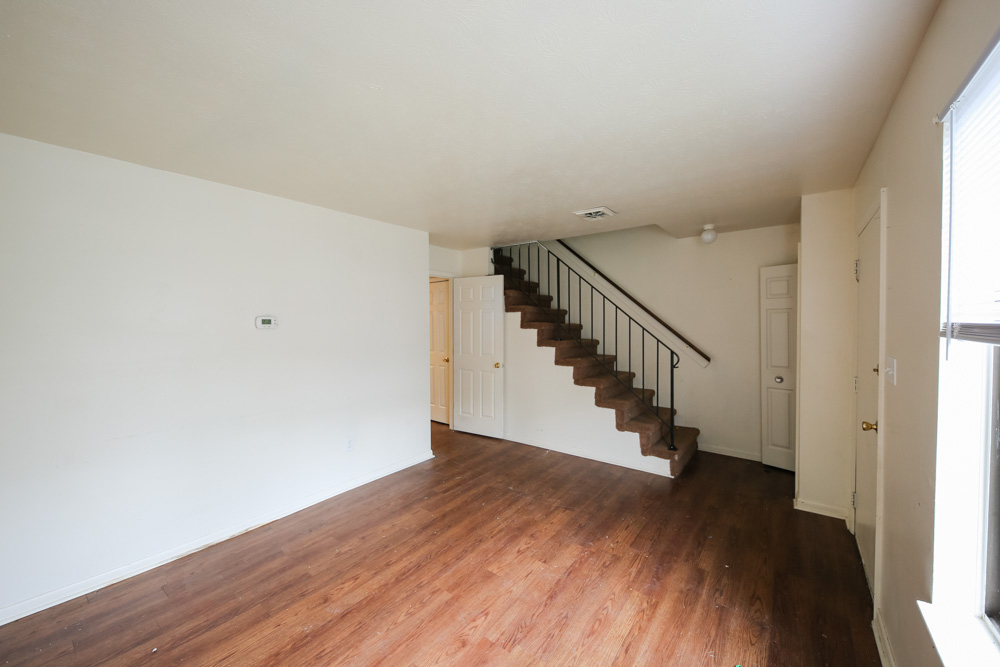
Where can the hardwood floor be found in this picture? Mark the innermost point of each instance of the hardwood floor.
(502, 554)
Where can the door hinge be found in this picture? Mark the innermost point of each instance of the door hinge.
(857, 270)
(855, 384)
(854, 500)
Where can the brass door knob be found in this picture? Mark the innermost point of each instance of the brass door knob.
(447, 359)
(868, 426)
(496, 365)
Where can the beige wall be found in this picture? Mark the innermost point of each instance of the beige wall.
(444, 261)
(906, 160)
(143, 415)
(459, 263)
(825, 476)
(710, 294)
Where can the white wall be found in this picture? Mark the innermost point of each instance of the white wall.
(143, 415)
(709, 293)
(450, 263)
(444, 262)
(824, 474)
(906, 159)
(542, 407)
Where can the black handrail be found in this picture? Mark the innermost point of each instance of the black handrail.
(648, 393)
(639, 304)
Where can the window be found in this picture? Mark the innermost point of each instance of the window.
(964, 617)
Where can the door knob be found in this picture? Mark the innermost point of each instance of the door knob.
(868, 426)
(779, 379)
(447, 359)
(496, 365)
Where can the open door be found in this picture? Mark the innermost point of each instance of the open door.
(866, 442)
(778, 319)
(478, 355)
(440, 362)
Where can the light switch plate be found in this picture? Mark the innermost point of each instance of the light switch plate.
(890, 370)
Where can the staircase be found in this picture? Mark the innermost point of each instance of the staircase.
(637, 407)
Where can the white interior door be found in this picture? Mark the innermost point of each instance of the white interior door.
(440, 309)
(866, 398)
(478, 355)
(778, 318)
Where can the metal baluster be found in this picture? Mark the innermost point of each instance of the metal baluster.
(673, 426)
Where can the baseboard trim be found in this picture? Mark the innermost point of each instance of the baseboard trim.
(728, 451)
(819, 508)
(882, 641)
(66, 593)
(656, 466)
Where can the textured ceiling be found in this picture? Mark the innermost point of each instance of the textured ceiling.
(479, 121)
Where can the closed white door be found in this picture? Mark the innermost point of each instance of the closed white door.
(478, 355)
(778, 318)
(866, 398)
(440, 309)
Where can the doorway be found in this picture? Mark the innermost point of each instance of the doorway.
(778, 330)
(440, 349)
(870, 376)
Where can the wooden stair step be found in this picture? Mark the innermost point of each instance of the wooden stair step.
(528, 286)
(590, 360)
(686, 441)
(535, 313)
(643, 422)
(512, 272)
(515, 297)
(605, 379)
(626, 404)
(502, 260)
(627, 400)
(552, 329)
(570, 343)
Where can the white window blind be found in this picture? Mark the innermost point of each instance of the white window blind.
(971, 244)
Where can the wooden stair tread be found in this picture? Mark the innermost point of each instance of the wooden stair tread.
(570, 343)
(605, 359)
(686, 441)
(626, 399)
(604, 379)
(571, 329)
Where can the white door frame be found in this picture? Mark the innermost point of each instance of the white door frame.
(881, 205)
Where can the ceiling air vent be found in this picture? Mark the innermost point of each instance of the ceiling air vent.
(595, 213)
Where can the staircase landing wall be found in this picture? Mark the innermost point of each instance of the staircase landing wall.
(543, 408)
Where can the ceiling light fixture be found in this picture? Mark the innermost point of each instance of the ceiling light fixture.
(709, 234)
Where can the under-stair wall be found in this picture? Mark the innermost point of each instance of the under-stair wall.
(542, 407)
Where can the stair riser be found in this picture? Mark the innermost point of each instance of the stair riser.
(510, 271)
(574, 351)
(523, 285)
(534, 313)
(631, 410)
(515, 297)
(549, 334)
(610, 391)
(588, 370)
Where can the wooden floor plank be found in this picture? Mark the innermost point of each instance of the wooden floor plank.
(495, 553)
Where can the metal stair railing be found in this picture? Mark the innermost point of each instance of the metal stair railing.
(565, 285)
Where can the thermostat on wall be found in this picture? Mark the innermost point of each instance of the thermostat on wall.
(266, 321)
